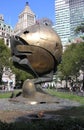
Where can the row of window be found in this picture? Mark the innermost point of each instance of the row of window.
(4, 27)
(4, 34)
(7, 30)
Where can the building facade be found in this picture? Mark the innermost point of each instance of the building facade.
(26, 18)
(8, 78)
(68, 14)
(5, 31)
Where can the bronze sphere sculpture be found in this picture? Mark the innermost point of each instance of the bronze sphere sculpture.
(38, 51)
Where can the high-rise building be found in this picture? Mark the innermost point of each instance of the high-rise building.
(5, 31)
(26, 18)
(68, 14)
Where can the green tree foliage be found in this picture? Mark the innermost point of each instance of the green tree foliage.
(72, 60)
(80, 28)
(4, 56)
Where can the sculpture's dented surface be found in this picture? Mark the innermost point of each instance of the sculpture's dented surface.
(37, 50)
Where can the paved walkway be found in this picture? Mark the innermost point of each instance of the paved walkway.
(5, 105)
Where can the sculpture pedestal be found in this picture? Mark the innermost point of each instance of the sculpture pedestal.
(29, 89)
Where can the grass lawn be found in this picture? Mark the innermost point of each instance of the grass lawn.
(8, 94)
(66, 95)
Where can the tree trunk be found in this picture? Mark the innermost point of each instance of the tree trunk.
(83, 80)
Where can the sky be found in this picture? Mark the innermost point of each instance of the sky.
(11, 9)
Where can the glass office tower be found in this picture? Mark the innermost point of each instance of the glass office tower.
(68, 14)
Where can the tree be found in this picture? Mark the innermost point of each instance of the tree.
(4, 57)
(80, 60)
(72, 61)
(80, 28)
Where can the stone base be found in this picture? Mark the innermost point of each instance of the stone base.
(32, 95)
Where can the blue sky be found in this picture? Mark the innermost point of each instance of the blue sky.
(12, 8)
